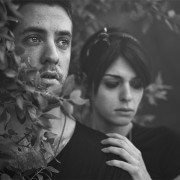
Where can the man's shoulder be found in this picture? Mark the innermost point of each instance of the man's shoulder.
(83, 157)
(88, 132)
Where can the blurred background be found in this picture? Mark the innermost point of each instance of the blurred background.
(156, 23)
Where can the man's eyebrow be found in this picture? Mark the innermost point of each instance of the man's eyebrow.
(65, 33)
(33, 29)
(40, 30)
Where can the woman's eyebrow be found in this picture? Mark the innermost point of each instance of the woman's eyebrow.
(112, 75)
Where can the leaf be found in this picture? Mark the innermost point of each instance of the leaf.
(1, 109)
(43, 123)
(52, 169)
(21, 115)
(48, 116)
(157, 90)
(10, 73)
(30, 89)
(50, 137)
(5, 117)
(169, 24)
(12, 86)
(27, 159)
(171, 13)
(48, 148)
(165, 6)
(32, 113)
(37, 135)
(20, 101)
(75, 97)
(5, 156)
(40, 177)
(68, 85)
(12, 132)
(50, 98)
(9, 45)
(42, 102)
(5, 177)
(2, 58)
(67, 108)
(176, 29)
(56, 89)
(37, 79)
(28, 172)
(3, 9)
(5, 36)
(147, 23)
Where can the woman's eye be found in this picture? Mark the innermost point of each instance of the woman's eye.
(137, 83)
(111, 84)
(63, 43)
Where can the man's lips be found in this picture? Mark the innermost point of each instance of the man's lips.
(50, 75)
(50, 78)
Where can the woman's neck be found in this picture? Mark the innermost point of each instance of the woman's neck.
(107, 127)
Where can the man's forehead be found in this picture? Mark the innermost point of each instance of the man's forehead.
(36, 16)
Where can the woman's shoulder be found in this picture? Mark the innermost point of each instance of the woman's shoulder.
(160, 135)
(160, 147)
(153, 130)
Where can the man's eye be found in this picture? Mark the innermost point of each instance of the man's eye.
(32, 40)
(137, 83)
(63, 43)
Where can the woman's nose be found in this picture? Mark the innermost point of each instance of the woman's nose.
(125, 93)
(50, 53)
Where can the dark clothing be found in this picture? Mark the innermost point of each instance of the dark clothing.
(160, 149)
(83, 159)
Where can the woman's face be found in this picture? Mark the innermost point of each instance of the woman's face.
(119, 94)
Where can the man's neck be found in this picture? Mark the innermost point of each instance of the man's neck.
(57, 124)
(63, 127)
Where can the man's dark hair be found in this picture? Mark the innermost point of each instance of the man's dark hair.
(66, 4)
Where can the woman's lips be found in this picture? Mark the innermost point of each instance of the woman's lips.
(124, 111)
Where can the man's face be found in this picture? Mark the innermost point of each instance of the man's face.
(45, 33)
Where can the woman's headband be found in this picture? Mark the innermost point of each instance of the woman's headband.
(105, 35)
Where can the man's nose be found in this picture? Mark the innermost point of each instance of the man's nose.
(125, 93)
(50, 53)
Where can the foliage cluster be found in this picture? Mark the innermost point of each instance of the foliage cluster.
(87, 21)
(27, 142)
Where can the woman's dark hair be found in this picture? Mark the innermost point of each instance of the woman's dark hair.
(104, 47)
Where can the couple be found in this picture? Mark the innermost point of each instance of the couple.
(45, 32)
